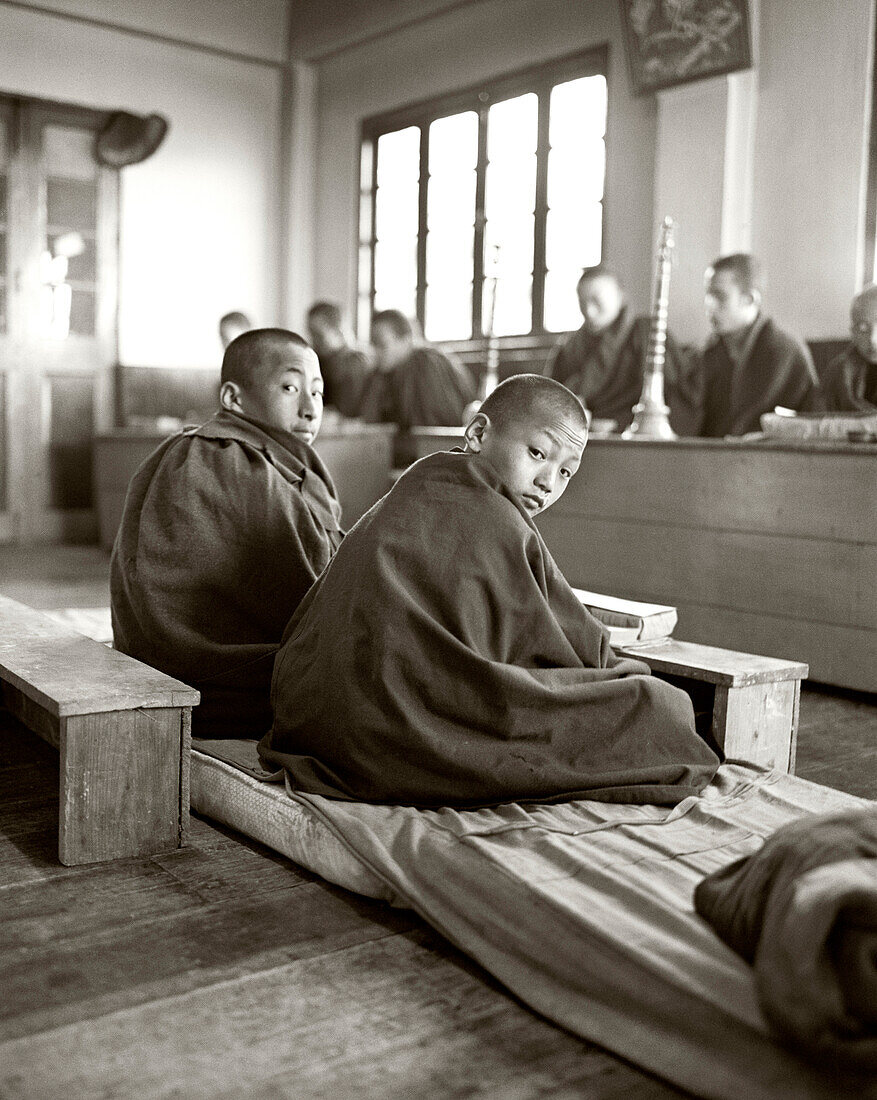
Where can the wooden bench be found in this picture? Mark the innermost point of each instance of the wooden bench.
(122, 730)
(751, 701)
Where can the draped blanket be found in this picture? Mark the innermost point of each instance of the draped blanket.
(583, 909)
(442, 659)
(225, 528)
(803, 911)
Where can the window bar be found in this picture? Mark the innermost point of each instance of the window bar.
(541, 212)
(478, 243)
(422, 197)
(373, 146)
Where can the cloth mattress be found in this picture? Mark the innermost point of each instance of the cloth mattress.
(583, 909)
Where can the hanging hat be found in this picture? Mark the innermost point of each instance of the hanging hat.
(128, 139)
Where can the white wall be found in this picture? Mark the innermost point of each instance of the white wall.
(256, 28)
(810, 158)
(453, 51)
(199, 220)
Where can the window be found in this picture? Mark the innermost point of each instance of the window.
(479, 211)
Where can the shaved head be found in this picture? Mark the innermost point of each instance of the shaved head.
(863, 323)
(864, 307)
(251, 354)
(532, 397)
(530, 432)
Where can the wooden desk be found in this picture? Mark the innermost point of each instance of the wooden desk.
(359, 457)
(763, 547)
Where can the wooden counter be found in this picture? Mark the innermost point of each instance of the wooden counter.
(764, 547)
(359, 457)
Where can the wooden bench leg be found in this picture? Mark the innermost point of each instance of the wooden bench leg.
(124, 784)
(759, 722)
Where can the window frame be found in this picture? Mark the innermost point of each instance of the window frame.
(539, 79)
(871, 185)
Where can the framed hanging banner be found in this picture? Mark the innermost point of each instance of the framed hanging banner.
(672, 42)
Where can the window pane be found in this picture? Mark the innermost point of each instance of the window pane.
(449, 310)
(402, 297)
(396, 275)
(576, 174)
(399, 157)
(453, 155)
(453, 143)
(449, 257)
(512, 128)
(396, 220)
(514, 305)
(81, 255)
(510, 244)
(509, 202)
(71, 204)
(577, 111)
(510, 190)
(451, 201)
(396, 212)
(71, 220)
(573, 237)
(562, 311)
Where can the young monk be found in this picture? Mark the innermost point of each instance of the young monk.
(850, 380)
(751, 365)
(442, 659)
(225, 528)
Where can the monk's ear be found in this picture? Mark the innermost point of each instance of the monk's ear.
(755, 297)
(230, 396)
(475, 430)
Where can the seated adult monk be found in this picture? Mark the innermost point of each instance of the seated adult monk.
(225, 528)
(345, 369)
(849, 383)
(416, 384)
(751, 365)
(442, 659)
(603, 361)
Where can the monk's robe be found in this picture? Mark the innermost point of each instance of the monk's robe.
(749, 373)
(606, 371)
(442, 659)
(225, 528)
(427, 389)
(849, 384)
(346, 372)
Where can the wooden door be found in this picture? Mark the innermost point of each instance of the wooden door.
(58, 338)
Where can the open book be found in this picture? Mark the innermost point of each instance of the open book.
(629, 621)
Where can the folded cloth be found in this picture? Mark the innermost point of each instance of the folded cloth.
(803, 911)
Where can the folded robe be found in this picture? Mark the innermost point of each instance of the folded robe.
(803, 911)
(442, 659)
(225, 528)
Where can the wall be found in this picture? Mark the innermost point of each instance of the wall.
(200, 230)
(810, 157)
(457, 49)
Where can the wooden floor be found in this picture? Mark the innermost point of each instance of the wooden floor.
(223, 970)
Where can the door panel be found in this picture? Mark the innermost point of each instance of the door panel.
(58, 351)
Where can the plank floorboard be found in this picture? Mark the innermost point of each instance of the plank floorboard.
(139, 961)
(398, 1017)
